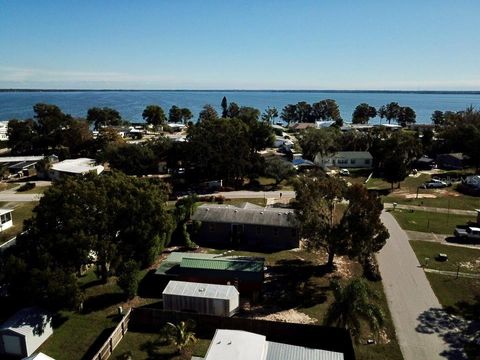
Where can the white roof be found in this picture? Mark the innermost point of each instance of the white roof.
(473, 228)
(17, 159)
(26, 322)
(242, 345)
(200, 290)
(5, 211)
(39, 356)
(77, 166)
(237, 345)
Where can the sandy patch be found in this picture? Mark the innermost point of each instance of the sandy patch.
(290, 316)
(470, 265)
(420, 196)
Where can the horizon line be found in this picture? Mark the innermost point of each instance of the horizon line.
(241, 90)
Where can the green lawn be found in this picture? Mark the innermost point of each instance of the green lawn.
(466, 257)
(21, 212)
(146, 346)
(458, 296)
(462, 202)
(429, 221)
(80, 335)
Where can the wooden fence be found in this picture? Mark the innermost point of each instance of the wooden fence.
(114, 339)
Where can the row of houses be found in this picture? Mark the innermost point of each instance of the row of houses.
(24, 166)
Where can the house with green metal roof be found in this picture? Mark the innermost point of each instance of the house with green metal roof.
(245, 273)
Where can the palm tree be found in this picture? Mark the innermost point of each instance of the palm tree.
(180, 335)
(352, 306)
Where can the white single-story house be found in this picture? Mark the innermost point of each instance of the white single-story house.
(3, 130)
(75, 167)
(242, 345)
(346, 159)
(24, 332)
(201, 298)
(6, 219)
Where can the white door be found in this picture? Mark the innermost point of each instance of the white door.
(12, 344)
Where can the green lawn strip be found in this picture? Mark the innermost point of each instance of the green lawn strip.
(466, 257)
(458, 296)
(424, 221)
(21, 212)
(146, 346)
(462, 202)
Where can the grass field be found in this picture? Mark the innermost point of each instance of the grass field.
(462, 202)
(465, 257)
(424, 221)
(35, 190)
(458, 296)
(77, 336)
(21, 212)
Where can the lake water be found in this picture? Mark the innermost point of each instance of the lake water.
(130, 104)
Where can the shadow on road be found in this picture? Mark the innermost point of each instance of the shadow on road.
(455, 331)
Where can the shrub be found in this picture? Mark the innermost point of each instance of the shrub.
(129, 278)
(27, 186)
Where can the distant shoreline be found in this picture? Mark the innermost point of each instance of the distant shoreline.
(449, 92)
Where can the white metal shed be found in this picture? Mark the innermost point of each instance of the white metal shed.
(211, 299)
(24, 332)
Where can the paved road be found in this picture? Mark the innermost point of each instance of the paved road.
(13, 197)
(245, 194)
(432, 209)
(409, 296)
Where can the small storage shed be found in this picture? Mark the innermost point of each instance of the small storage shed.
(202, 298)
(5, 219)
(24, 332)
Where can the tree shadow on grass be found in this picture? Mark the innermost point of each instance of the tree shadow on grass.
(455, 331)
(289, 284)
(149, 286)
(103, 301)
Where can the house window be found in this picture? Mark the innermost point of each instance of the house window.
(5, 218)
(211, 227)
(367, 161)
(342, 161)
(352, 161)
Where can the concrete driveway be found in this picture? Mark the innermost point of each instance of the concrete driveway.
(415, 309)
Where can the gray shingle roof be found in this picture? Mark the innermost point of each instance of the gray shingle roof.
(252, 216)
(28, 322)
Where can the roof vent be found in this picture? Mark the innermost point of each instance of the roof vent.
(218, 343)
(201, 290)
(236, 211)
(261, 212)
(229, 343)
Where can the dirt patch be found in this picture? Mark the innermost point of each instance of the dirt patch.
(471, 265)
(343, 267)
(290, 316)
(420, 196)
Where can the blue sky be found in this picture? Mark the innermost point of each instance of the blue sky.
(268, 44)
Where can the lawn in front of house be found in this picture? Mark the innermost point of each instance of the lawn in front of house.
(21, 212)
(425, 221)
(467, 258)
(457, 295)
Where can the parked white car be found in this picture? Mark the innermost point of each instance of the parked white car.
(344, 172)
